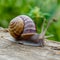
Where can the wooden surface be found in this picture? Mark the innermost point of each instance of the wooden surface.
(12, 51)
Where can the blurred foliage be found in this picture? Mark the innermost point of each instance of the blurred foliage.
(37, 10)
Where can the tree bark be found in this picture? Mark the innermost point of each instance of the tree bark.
(12, 51)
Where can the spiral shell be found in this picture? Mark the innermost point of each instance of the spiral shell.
(16, 27)
(22, 26)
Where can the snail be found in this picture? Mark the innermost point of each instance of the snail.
(23, 29)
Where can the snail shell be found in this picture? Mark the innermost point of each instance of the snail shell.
(22, 26)
(16, 27)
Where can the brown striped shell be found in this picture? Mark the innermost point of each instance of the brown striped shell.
(16, 27)
(22, 26)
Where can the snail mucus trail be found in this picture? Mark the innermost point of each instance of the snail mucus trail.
(22, 28)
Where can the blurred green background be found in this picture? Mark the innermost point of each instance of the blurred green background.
(36, 9)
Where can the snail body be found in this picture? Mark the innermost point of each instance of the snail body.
(23, 29)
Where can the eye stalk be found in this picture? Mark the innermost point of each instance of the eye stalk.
(43, 32)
